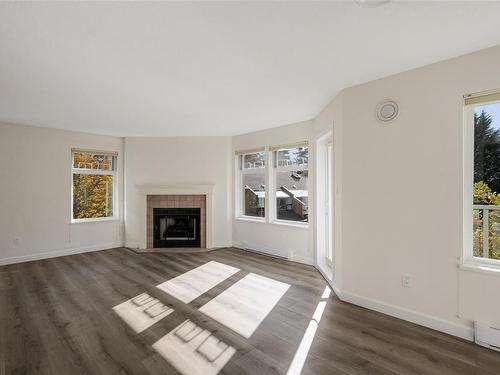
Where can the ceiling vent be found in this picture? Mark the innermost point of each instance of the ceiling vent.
(387, 110)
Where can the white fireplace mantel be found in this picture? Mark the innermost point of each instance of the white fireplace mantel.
(207, 190)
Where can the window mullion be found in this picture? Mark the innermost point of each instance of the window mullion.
(292, 168)
(268, 187)
(93, 172)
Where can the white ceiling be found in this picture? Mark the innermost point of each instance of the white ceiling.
(151, 69)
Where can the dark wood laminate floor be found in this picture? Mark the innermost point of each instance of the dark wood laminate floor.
(56, 317)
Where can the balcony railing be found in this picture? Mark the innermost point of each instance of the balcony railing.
(487, 221)
(290, 162)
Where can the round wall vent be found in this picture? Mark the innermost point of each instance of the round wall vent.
(387, 110)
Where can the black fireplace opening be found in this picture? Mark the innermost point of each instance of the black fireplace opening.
(176, 227)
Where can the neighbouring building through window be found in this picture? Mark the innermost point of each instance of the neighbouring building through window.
(291, 176)
(280, 173)
(253, 183)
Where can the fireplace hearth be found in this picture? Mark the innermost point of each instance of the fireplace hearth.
(176, 227)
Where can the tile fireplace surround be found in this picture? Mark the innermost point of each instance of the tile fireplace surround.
(175, 196)
(175, 201)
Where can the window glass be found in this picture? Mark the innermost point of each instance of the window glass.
(92, 196)
(253, 161)
(85, 160)
(254, 193)
(292, 195)
(292, 156)
(486, 189)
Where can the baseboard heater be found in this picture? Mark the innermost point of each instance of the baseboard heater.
(487, 335)
(263, 253)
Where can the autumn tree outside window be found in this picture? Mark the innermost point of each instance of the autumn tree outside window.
(93, 185)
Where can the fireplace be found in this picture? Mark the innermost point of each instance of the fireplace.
(167, 204)
(176, 227)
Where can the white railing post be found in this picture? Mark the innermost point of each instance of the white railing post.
(486, 234)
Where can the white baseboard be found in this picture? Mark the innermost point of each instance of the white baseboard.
(132, 245)
(222, 244)
(273, 253)
(445, 326)
(58, 253)
(332, 284)
(451, 328)
(304, 260)
(261, 249)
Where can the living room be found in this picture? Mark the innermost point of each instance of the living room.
(250, 187)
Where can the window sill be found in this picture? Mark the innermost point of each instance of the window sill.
(251, 219)
(96, 220)
(481, 267)
(290, 224)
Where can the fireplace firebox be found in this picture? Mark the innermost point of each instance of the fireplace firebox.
(176, 227)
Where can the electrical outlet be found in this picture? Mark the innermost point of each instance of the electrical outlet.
(17, 240)
(406, 281)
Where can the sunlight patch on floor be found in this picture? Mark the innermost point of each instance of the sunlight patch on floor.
(300, 356)
(193, 350)
(192, 284)
(244, 305)
(190, 348)
(142, 311)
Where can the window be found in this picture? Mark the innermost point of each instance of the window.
(482, 173)
(93, 185)
(291, 178)
(253, 183)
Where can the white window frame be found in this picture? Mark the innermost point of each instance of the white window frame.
(329, 203)
(113, 173)
(240, 172)
(468, 258)
(273, 188)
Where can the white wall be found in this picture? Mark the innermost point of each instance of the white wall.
(293, 242)
(35, 191)
(402, 195)
(178, 161)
